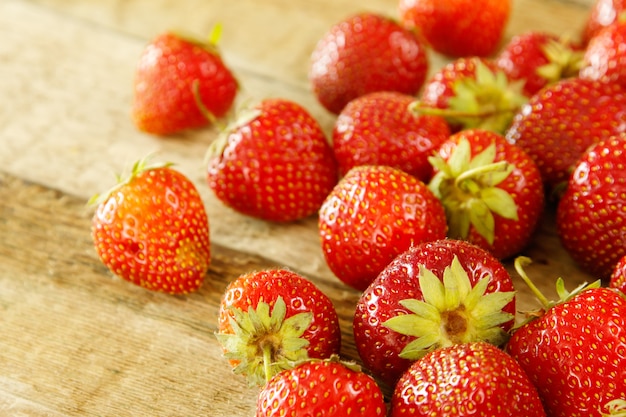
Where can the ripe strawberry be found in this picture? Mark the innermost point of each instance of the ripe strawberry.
(560, 122)
(364, 53)
(152, 230)
(575, 353)
(471, 93)
(180, 84)
(372, 215)
(270, 319)
(602, 14)
(458, 28)
(605, 56)
(491, 190)
(433, 295)
(466, 380)
(321, 389)
(618, 276)
(591, 214)
(539, 59)
(274, 163)
(379, 129)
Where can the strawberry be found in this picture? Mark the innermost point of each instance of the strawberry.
(373, 214)
(575, 352)
(539, 59)
(379, 129)
(433, 295)
(180, 84)
(591, 214)
(618, 276)
(605, 57)
(321, 389)
(268, 320)
(558, 124)
(603, 13)
(491, 190)
(364, 53)
(458, 28)
(466, 380)
(273, 163)
(152, 229)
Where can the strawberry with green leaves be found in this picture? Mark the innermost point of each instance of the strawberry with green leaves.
(269, 320)
(152, 229)
(435, 294)
(492, 191)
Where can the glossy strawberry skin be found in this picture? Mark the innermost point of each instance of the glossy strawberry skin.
(605, 57)
(364, 53)
(164, 98)
(618, 276)
(321, 389)
(575, 354)
(591, 213)
(378, 346)
(373, 214)
(602, 14)
(379, 129)
(154, 232)
(466, 380)
(276, 166)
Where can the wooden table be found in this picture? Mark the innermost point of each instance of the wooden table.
(77, 341)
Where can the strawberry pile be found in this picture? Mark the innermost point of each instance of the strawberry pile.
(424, 189)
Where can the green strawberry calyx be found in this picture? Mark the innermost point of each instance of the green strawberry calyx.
(265, 342)
(563, 61)
(615, 408)
(468, 189)
(452, 312)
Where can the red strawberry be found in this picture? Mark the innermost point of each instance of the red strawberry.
(321, 389)
(591, 214)
(180, 84)
(603, 13)
(364, 53)
(618, 276)
(491, 190)
(379, 129)
(270, 319)
(466, 380)
(152, 230)
(575, 353)
(372, 215)
(560, 122)
(458, 27)
(433, 295)
(539, 59)
(605, 57)
(274, 163)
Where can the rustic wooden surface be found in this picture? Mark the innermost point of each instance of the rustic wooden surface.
(77, 341)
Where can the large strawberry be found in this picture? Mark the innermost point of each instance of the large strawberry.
(372, 215)
(605, 57)
(466, 380)
(560, 122)
(458, 27)
(603, 13)
(270, 319)
(152, 230)
(433, 295)
(322, 389)
(618, 276)
(364, 53)
(181, 83)
(575, 352)
(591, 214)
(379, 129)
(273, 163)
(491, 190)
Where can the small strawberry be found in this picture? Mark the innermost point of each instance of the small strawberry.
(180, 84)
(491, 190)
(433, 295)
(558, 124)
(603, 13)
(466, 380)
(618, 276)
(591, 213)
(575, 352)
(364, 53)
(458, 28)
(152, 230)
(322, 389)
(372, 215)
(605, 57)
(379, 129)
(269, 320)
(274, 163)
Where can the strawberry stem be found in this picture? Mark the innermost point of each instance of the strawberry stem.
(267, 361)
(519, 263)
